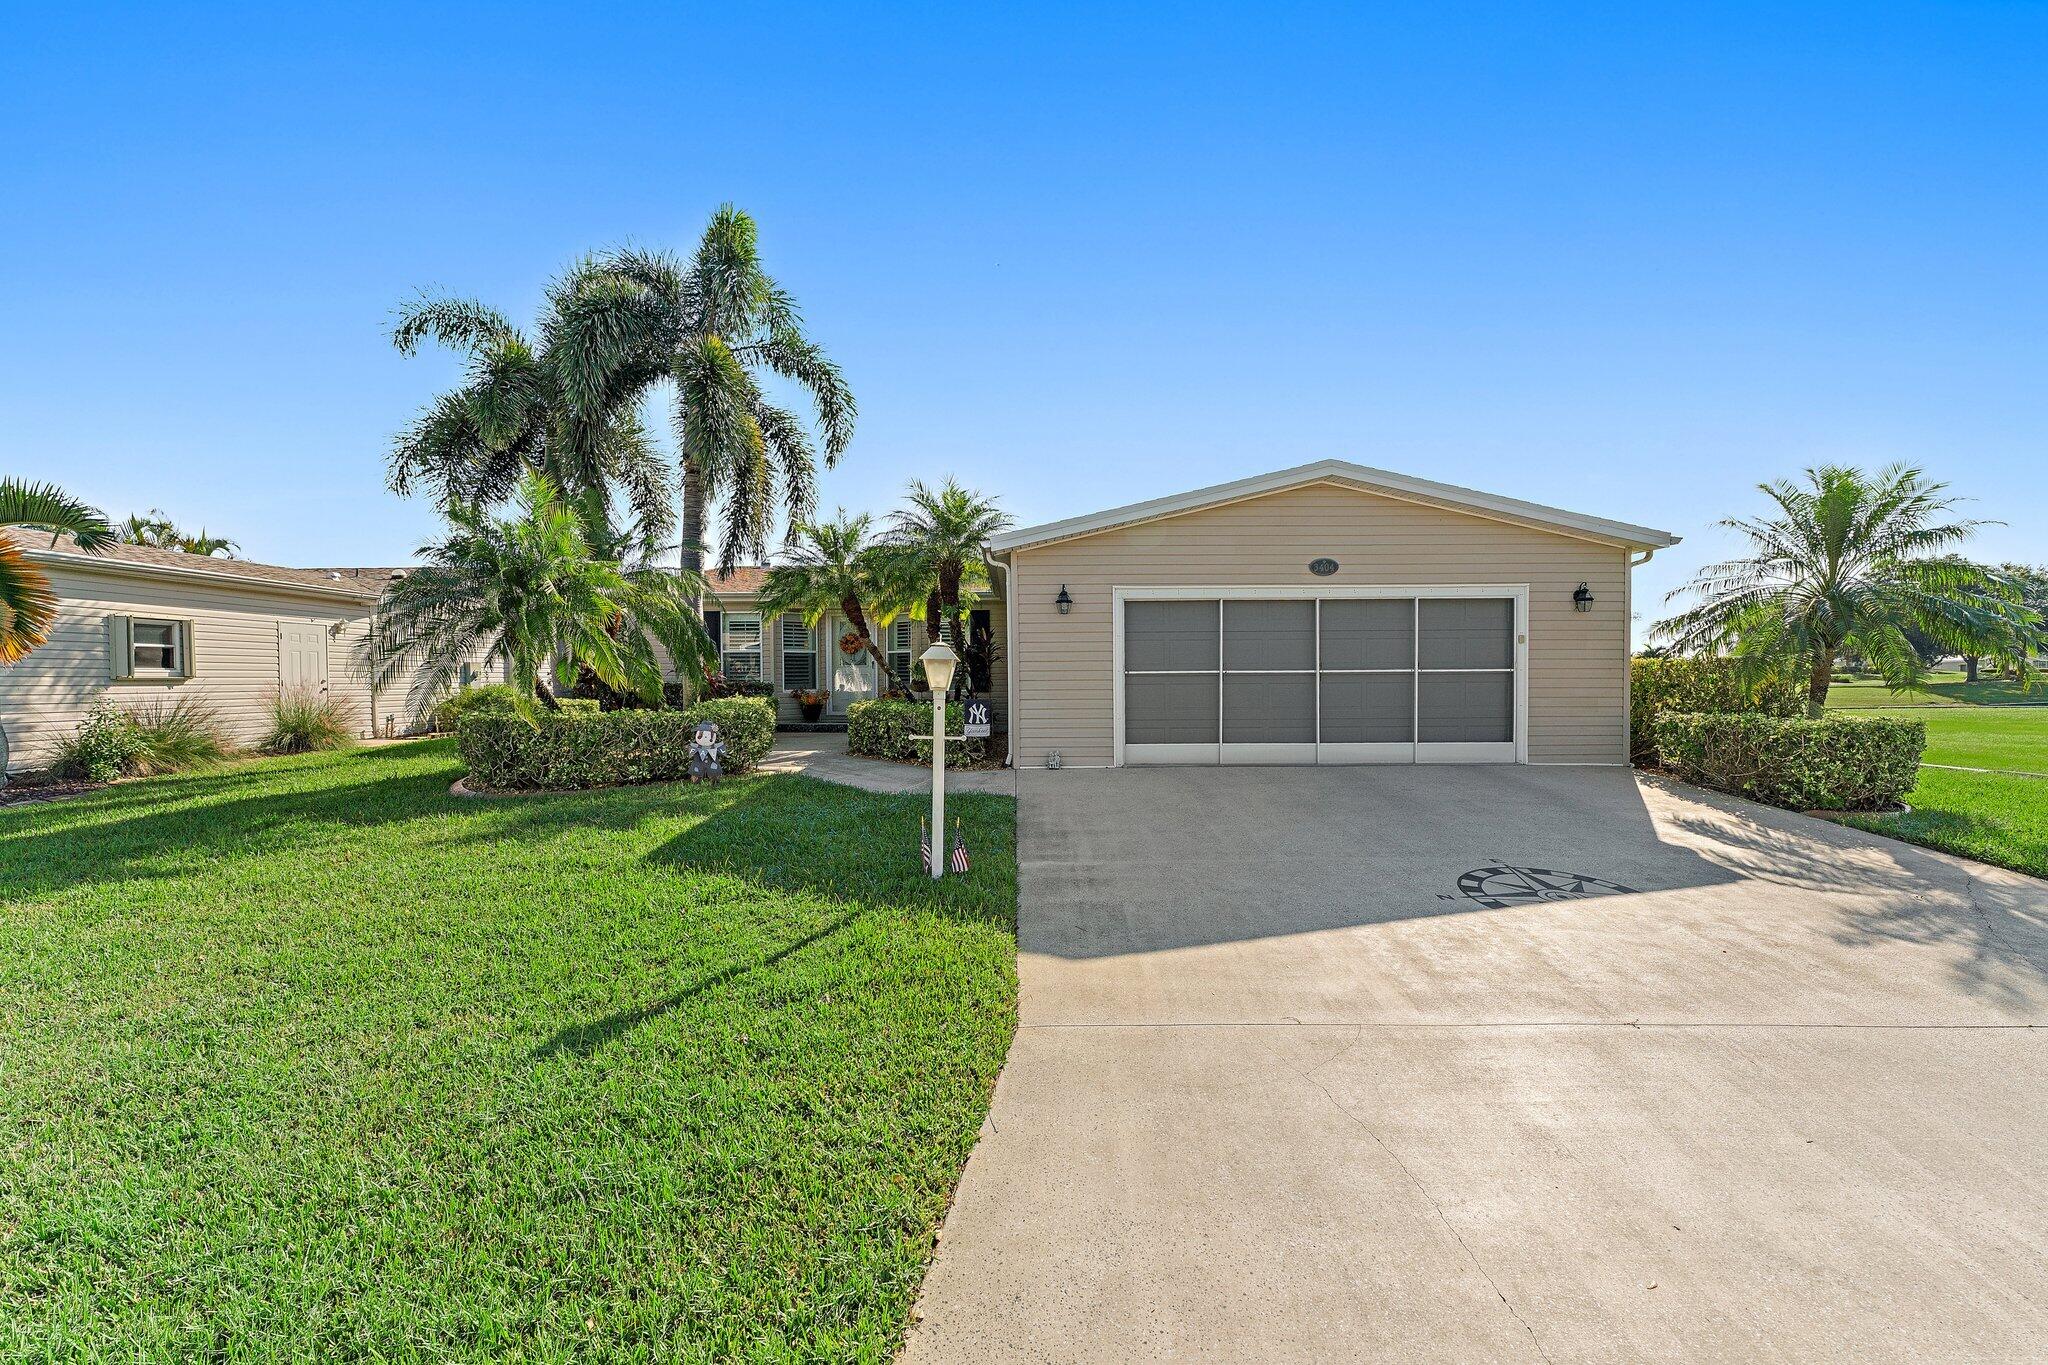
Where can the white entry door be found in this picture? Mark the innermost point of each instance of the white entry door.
(302, 657)
(854, 676)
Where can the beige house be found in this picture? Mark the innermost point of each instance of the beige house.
(1329, 613)
(140, 624)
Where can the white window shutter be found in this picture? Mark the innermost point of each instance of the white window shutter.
(120, 648)
(188, 662)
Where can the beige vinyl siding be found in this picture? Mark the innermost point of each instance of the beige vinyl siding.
(1578, 662)
(235, 656)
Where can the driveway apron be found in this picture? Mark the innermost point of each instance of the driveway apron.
(1500, 1064)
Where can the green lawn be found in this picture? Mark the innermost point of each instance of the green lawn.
(306, 1059)
(1938, 689)
(1987, 816)
(2009, 737)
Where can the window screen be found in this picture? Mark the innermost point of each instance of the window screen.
(1467, 708)
(1170, 708)
(1468, 632)
(1169, 637)
(1368, 708)
(1275, 635)
(1369, 633)
(1269, 708)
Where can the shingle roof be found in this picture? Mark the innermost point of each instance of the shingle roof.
(745, 578)
(355, 582)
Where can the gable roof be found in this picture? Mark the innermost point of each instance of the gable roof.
(155, 561)
(1383, 482)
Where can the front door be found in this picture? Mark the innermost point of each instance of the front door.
(853, 675)
(302, 657)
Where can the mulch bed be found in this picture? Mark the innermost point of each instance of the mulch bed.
(19, 794)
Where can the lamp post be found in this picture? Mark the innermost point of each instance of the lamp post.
(938, 664)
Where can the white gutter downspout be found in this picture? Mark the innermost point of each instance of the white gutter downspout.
(1009, 658)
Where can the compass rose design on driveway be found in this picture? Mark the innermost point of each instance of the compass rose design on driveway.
(1504, 886)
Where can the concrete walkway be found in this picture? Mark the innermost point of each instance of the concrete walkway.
(1500, 1064)
(823, 755)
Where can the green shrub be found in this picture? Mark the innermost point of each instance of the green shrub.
(102, 746)
(608, 748)
(170, 738)
(302, 722)
(486, 699)
(1834, 763)
(902, 730)
(1664, 686)
(577, 706)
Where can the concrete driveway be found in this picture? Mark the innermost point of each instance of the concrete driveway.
(1300, 1078)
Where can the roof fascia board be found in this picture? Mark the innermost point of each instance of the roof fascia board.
(1343, 473)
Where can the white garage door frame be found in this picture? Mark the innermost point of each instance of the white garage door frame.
(1516, 751)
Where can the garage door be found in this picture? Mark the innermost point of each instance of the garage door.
(1393, 676)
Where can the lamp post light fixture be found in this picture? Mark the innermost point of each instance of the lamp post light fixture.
(939, 662)
(1582, 599)
(1064, 602)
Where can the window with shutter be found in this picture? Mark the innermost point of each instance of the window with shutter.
(742, 655)
(799, 655)
(899, 650)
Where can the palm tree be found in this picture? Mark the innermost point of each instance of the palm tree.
(159, 530)
(832, 566)
(28, 604)
(474, 444)
(709, 329)
(941, 536)
(540, 588)
(1850, 562)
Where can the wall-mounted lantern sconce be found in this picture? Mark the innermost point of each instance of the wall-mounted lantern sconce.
(1063, 601)
(1582, 600)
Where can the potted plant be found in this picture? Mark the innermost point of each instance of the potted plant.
(811, 703)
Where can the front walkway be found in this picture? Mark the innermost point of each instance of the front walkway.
(823, 755)
(1507, 1064)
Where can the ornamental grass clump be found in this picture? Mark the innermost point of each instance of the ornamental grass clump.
(303, 722)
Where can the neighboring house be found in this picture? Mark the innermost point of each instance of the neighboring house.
(1328, 613)
(141, 623)
(782, 651)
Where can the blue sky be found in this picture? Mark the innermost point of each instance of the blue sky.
(1626, 260)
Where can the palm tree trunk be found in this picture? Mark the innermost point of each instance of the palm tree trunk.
(1817, 680)
(934, 613)
(850, 608)
(545, 693)
(949, 589)
(693, 517)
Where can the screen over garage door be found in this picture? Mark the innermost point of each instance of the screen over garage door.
(1386, 676)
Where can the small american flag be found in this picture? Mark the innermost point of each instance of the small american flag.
(924, 846)
(959, 849)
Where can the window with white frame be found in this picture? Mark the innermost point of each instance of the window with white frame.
(741, 657)
(799, 655)
(150, 647)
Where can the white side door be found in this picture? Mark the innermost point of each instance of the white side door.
(302, 657)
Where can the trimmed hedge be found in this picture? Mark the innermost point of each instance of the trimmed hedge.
(1668, 686)
(887, 727)
(1834, 763)
(608, 748)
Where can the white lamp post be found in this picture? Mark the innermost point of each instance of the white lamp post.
(938, 664)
